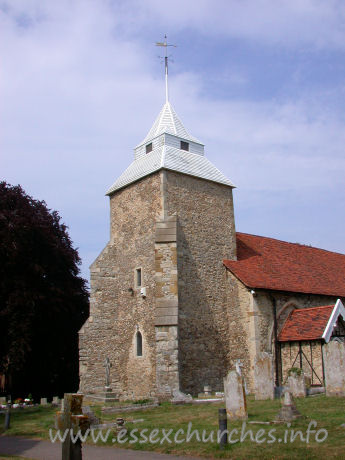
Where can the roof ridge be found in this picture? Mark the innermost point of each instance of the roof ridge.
(289, 242)
(173, 117)
(299, 310)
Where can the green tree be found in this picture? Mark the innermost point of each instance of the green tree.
(43, 301)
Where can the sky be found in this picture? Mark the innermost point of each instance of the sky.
(260, 83)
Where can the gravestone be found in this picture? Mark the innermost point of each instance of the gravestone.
(72, 418)
(93, 420)
(296, 383)
(263, 376)
(108, 395)
(181, 398)
(235, 397)
(219, 394)
(56, 401)
(3, 400)
(107, 366)
(207, 390)
(334, 364)
(44, 401)
(288, 411)
(238, 367)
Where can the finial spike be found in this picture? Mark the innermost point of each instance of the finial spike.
(165, 44)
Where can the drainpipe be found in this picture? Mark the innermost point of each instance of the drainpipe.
(276, 344)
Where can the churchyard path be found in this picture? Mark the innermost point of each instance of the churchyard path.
(45, 450)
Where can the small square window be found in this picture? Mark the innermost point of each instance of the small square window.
(138, 277)
(184, 146)
(149, 147)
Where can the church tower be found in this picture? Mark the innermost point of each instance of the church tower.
(158, 307)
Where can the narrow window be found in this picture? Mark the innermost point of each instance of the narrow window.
(139, 344)
(149, 148)
(184, 146)
(138, 277)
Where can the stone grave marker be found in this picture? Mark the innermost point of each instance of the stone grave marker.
(296, 383)
(180, 398)
(93, 420)
(107, 366)
(263, 376)
(235, 397)
(288, 411)
(334, 364)
(238, 367)
(207, 390)
(56, 401)
(44, 401)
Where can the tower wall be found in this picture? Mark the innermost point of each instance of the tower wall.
(205, 236)
(116, 314)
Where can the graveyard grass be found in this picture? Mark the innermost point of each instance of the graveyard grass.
(329, 413)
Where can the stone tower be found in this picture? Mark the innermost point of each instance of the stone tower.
(159, 290)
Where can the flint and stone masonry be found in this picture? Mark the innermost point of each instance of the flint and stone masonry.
(161, 224)
(164, 310)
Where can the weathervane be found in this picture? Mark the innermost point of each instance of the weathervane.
(165, 44)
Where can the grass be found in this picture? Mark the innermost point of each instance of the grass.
(329, 413)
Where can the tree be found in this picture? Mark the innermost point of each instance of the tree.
(43, 301)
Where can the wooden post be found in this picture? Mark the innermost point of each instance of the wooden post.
(72, 418)
(223, 426)
(8, 415)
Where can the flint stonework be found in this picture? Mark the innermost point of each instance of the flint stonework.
(162, 224)
(194, 316)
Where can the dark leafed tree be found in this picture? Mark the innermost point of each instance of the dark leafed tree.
(43, 300)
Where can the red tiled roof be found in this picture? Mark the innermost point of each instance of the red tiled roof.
(305, 324)
(267, 263)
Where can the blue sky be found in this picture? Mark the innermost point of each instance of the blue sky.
(261, 83)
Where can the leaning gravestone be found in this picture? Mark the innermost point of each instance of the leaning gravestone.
(296, 383)
(334, 363)
(235, 397)
(263, 376)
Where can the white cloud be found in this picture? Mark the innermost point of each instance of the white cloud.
(315, 23)
(80, 90)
